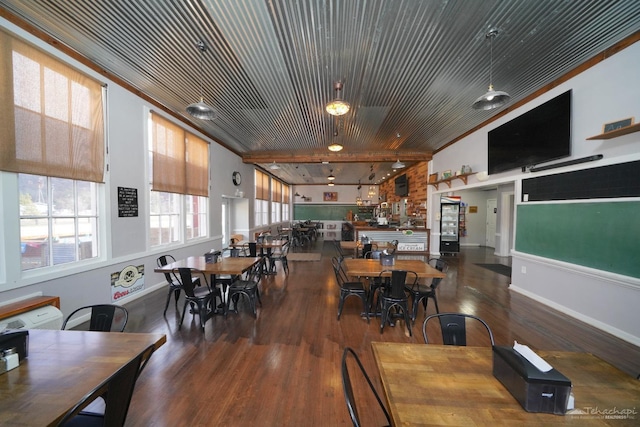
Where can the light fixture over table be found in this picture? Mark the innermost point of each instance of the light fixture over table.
(331, 177)
(338, 107)
(200, 110)
(493, 98)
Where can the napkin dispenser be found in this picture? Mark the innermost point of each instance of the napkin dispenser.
(15, 338)
(387, 259)
(212, 257)
(535, 390)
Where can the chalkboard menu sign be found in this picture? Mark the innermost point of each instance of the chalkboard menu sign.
(127, 202)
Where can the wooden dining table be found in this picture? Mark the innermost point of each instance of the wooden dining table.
(61, 368)
(234, 266)
(359, 267)
(451, 385)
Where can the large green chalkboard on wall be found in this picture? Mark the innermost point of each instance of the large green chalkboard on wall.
(604, 236)
(322, 212)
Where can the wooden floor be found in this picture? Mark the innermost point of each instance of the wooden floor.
(283, 369)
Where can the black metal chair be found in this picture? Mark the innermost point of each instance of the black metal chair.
(117, 393)
(453, 327)
(247, 286)
(201, 298)
(393, 294)
(175, 286)
(280, 256)
(367, 247)
(104, 317)
(349, 395)
(338, 248)
(348, 288)
(422, 292)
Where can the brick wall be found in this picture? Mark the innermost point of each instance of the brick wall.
(418, 175)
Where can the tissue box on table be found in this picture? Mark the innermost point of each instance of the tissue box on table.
(536, 391)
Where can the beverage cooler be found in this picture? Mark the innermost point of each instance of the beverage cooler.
(450, 225)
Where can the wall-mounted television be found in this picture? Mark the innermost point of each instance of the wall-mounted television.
(402, 186)
(539, 135)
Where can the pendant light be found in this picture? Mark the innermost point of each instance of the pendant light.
(397, 165)
(200, 110)
(338, 107)
(331, 177)
(335, 147)
(493, 98)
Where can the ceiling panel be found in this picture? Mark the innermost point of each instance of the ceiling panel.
(410, 68)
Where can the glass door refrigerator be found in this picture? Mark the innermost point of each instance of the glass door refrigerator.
(449, 225)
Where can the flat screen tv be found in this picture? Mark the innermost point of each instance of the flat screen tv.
(402, 186)
(539, 135)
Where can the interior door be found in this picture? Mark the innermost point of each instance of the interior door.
(492, 214)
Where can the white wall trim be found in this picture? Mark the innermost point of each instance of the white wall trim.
(586, 319)
(611, 278)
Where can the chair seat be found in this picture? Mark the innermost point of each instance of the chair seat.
(353, 286)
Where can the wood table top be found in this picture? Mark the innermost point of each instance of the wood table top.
(358, 267)
(229, 265)
(449, 385)
(61, 368)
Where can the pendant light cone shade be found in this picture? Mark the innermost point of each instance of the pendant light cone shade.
(397, 165)
(493, 98)
(337, 107)
(200, 110)
(331, 177)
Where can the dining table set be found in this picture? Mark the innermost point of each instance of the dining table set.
(234, 267)
(374, 269)
(266, 247)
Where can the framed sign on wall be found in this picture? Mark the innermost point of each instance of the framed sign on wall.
(330, 196)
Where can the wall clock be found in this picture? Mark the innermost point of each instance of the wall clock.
(237, 178)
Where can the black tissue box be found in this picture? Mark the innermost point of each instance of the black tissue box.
(536, 391)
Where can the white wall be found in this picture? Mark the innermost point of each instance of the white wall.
(607, 92)
(124, 240)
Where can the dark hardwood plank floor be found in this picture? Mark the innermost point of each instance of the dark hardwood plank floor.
(283, 368)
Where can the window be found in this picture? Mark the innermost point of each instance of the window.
(58, 220)
(179, 180)
(276, 200)
(53, 138)
(261, 208)
(286, 207)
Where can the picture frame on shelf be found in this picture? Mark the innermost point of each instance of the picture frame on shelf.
(433, 177)
(446, 174)
(618, 124)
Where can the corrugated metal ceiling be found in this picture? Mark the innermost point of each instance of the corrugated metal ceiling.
(409, 67)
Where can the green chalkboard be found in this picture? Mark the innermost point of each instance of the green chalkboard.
(325, 212)
(604, 236)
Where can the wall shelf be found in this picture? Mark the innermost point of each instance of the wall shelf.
(463, 177)
(618, 132)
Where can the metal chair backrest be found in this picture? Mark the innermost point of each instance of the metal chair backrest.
(188, 285)
(253, 249)
(349, 395)
(341, 276)
(164, 260)
(373, 254)
(396, 287)
(103, 317)
(453, 327)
